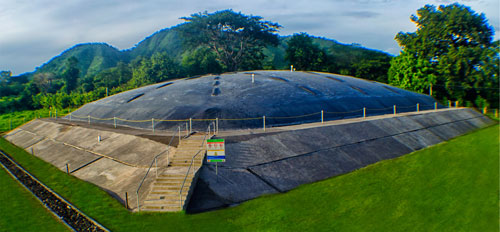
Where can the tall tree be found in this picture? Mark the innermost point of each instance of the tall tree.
(451, 50)
(235, 38)
(201, 61)
(158, 67)
(70, 74)
(305, 55)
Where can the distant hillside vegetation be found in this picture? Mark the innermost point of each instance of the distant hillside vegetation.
(92, 59)
(96, 57)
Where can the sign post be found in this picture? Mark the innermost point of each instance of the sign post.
(216, 152)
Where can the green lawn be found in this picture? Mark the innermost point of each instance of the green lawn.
(12, 120)
(453, 186)
(20, 211)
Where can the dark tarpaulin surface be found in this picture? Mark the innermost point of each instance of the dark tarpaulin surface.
(274, 94)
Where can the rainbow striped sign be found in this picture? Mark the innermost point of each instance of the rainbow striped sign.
(216, 151)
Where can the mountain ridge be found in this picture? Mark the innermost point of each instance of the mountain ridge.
(96, 57)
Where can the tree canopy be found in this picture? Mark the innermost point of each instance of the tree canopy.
(305, 55)
(159, 67)
(70, 74)
(452, 51)
(235, 38)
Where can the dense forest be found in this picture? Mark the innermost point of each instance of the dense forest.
(233, 41)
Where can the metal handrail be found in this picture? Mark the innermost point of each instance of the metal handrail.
(156, 164)
(191, 164)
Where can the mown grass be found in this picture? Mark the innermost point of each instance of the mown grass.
(20, 211)
(452, 186)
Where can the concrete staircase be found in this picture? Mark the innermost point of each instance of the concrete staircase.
(165, 194)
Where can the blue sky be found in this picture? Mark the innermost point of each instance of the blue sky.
(32, 32)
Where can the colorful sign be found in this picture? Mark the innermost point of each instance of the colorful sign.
(216, 151)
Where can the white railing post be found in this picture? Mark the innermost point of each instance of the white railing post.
(89, 118)
(190, 125)
(394, 109)
(70, 117)
(138, 206)
(253, 78)
(264, 122)
(364, 112)
(418, 107)
(114, 121)
(217, 125)
(321, 116)
(153, 125)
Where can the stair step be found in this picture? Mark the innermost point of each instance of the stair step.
(177, 188)
(185, 161)
(179, 182)
(173, 179)
(157, 199)
(187, 154)
(187, 157)
(176, 175)
(186, 164)
(171, 208)
(188, 182)
(166, 192)
(165, 189)
(168, 201)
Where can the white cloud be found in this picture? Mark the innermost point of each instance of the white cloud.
(35, 31)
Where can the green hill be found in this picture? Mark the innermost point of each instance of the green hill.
(92, 59)
(96, 57)
(166, 40)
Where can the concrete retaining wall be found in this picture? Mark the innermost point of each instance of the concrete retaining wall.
(258, 164)
(116, 164)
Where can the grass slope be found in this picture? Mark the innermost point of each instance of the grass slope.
(450, 187)
(12, 120)
(20, 211)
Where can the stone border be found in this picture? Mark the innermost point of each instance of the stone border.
(65, 211)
